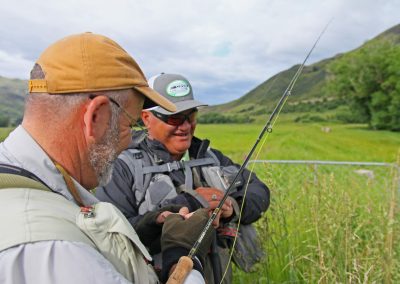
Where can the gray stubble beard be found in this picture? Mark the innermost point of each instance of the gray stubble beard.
(103, 153)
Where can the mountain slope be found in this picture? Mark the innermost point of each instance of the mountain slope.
(12, 96)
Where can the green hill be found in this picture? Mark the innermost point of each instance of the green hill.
(263, 96)
(310, 94)
(12, 95)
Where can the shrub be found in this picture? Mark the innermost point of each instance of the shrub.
(4, 121)
(309, 118)
(217, 118)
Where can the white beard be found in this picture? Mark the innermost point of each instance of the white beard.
(103, 154)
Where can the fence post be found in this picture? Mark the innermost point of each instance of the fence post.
(315, 174)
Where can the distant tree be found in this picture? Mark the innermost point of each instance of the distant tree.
(380, 116)
(217, 118)
(392, 86)
(4, 121)
(368, 79)
(18, 121)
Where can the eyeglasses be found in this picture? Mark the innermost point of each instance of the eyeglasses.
(132, 121)
(176, 119)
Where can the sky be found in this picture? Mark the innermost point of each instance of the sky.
(225, 48)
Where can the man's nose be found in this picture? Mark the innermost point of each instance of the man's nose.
(185, 125)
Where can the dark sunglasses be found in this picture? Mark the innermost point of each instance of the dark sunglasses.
(176, 119)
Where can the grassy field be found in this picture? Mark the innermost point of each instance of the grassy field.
(297, 141)
(325, 224)
(4, 132)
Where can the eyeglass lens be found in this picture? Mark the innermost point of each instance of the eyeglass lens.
(177, 119)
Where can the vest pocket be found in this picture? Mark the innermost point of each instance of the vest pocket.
(160, 188)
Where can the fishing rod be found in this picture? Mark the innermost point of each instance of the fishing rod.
(185, 263)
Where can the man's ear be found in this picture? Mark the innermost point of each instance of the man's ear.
(96, 118)
(146, 116)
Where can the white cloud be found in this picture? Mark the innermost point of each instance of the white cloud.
(13, 65)
(224, 47)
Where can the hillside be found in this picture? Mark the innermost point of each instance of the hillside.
(262, 97)
(309, 93)
(12, 95)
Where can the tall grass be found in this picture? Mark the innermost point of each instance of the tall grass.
(328, 226)
(325, 224)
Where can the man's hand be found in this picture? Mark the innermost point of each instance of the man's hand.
(179, 233)
(150, 225)
(183, 211)
(213, 196)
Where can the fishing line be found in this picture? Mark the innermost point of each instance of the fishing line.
(279, 108)
(245, 193)
(181, 271)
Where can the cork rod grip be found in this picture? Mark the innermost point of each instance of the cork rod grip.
(182, 269)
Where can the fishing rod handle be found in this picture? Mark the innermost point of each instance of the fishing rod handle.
(182, 269)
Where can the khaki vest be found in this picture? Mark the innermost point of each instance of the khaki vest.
(30, 215)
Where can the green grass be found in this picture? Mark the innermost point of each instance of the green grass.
(328, 225)
(4, 132)
(325, 224)
(297, 141)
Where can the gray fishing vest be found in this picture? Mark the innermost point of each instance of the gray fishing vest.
(153, 187)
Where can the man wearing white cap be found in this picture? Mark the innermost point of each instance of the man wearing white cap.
(85, 93)
(169, 165)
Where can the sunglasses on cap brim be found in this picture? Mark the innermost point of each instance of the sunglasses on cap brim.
(176, 119)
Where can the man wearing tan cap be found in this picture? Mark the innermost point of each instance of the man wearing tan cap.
(85, 94)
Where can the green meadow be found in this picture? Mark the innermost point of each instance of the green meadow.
(304, 141)
(325, 224)
(4, 132)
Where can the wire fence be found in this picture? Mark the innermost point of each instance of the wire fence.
(372, 174)
(328, 222)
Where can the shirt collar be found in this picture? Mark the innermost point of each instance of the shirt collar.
(23, 151)
(185, 156)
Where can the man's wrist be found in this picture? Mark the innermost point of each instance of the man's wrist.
(170, 258)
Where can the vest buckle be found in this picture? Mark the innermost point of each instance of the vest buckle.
(87, 211)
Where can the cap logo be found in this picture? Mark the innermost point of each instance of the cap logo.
(178, 88)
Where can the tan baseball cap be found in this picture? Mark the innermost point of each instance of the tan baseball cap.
(89, 62)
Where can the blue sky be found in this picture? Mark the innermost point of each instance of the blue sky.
(224, 47)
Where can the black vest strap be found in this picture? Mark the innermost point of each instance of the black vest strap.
(177, 165)
(14, 170)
